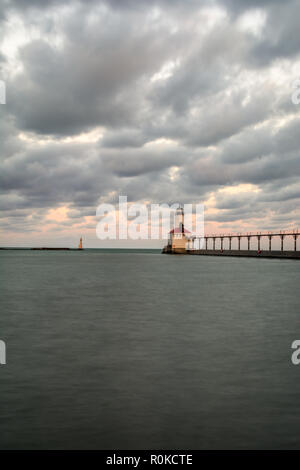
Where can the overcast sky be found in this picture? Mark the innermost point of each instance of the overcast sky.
(163, 101)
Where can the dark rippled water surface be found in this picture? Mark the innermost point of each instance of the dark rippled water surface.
(111, 350)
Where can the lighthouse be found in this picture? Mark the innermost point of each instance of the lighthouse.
(178, 236)
(179, 219)
(80, 244)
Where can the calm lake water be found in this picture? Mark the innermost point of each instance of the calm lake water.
(118, 350)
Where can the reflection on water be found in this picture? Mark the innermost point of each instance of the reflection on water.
(112, 350)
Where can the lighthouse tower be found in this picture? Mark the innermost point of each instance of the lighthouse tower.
(179, 219)
(80, 244)
(178, 236)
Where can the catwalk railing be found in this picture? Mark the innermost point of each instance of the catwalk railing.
(203, 242)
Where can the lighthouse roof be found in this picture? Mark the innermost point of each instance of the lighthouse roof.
(178, 230)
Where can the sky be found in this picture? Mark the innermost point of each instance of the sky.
(164, 101)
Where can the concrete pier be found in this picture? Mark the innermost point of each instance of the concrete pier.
(230, 245)
(247, 253)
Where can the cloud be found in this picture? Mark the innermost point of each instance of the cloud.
(164, 101)
(95, 78)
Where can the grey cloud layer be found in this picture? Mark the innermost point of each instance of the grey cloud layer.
(183, 74)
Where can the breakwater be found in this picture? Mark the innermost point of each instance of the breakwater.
(247, 253)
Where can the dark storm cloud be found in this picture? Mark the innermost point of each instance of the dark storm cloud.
(281, 34)
(238, 6)
(212, 127)
(141, 72)
(54, 174)
(246, 206)
(96, 78)
(124, 139)
(203, 69)
(261, 143)
(254, 172)
(141, 161)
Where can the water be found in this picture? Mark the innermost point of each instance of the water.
(110, 350)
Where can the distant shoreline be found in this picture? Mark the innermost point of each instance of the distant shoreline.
(42, 248)
(49, 248)
(77, 249)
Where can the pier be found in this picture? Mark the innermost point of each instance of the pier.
(248, 253)
(230, 245)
